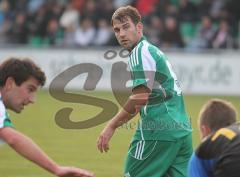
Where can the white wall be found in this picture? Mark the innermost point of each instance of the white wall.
(199, 73)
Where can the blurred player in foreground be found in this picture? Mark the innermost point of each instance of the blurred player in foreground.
(162, 145)
(19, 81)
(219, 153)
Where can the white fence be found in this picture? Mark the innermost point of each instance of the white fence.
(198, 73)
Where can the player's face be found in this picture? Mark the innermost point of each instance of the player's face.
(19, 96)
(127, 33)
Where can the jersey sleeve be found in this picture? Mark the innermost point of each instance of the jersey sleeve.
(142, 66)
(4, 117)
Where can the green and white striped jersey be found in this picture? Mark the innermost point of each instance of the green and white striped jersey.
(164, 116)
(4, 117)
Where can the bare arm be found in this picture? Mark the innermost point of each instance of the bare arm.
(138, 99)
(133, 105)
(31, 151)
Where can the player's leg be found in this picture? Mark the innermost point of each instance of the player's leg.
(150, 158)
(179, 166)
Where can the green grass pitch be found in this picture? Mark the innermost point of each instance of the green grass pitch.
(77, 147)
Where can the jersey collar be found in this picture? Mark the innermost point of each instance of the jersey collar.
(142, 39)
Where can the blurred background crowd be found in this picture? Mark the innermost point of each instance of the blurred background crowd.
(191, 24)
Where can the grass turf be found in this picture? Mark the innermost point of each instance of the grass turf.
(77, 147)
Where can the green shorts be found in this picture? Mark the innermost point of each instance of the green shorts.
(151, 158)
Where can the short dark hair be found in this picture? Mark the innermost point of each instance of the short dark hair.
(20, 70)
(217, 114)
(128, 11)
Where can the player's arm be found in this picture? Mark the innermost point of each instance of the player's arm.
(138, 98)
(31, 151)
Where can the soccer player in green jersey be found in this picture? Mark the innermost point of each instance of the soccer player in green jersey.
(162, 144)
(19, 81)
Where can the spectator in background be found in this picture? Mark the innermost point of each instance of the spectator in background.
(204, 8)
(69, 21)
(85, 33)
(56, 10)
(216, 8)
(205, 35)
(70, 17)
(145, 7)
(52, 31)
(78, 5)
(171, 10)
(18, 33)
(104, 9)
(154, 30)
(34, 5)
(162, 8)
(89, 10)
(37, 23)
(39, 13)
(103, 33)
(4, 8)
(222, 38)
(120, 3)
(171, 36)
(18, 6)
(232, 8)
(5, 21)
(187, 11)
